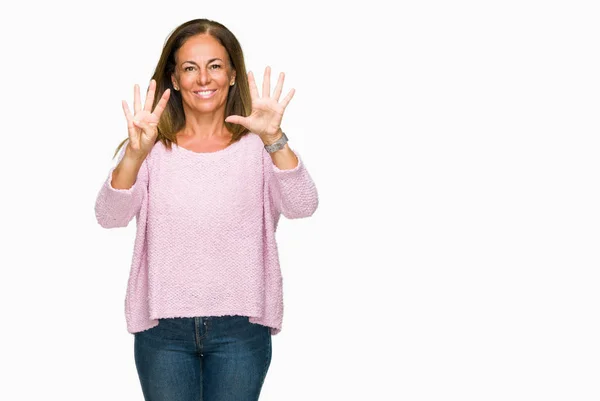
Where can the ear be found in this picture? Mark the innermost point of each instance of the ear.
(174, 81)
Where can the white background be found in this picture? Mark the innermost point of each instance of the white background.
(454, 253)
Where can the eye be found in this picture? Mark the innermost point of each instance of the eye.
(215, 66)
(186, 68)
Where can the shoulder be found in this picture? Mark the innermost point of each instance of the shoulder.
(158, 147)
(254, 140)
(254, 144)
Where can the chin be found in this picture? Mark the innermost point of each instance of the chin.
(208, 108)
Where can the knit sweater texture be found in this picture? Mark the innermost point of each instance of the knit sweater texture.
(205, 240)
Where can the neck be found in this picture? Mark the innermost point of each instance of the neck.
(205, 125)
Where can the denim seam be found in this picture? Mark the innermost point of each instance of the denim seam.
(267, 360)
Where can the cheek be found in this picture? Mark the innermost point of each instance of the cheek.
(187, 80)
(219, 76)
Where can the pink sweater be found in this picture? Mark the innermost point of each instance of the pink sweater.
(205, 241)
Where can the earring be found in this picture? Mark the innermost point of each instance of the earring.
(232, 83)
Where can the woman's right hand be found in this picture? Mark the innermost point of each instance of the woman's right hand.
(143, 126)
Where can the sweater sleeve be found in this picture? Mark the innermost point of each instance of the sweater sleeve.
(292, 192)
(116, 207)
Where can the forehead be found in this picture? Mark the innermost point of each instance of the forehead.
(201, 47)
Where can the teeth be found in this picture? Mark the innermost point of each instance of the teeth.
(205, 92)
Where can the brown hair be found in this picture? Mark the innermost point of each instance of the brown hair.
(239, 101)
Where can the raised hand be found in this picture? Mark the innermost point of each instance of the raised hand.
(267, 111)
(142, 126)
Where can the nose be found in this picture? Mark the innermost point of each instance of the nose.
(203, 76)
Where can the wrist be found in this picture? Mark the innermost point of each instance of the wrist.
(133, 156)
(271, 139)
(277, 145)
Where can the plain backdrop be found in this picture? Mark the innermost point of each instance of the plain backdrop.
(454, 145)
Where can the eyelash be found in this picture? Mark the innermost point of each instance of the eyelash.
(214, 65)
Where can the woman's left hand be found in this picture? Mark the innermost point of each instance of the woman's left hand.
(267, 111)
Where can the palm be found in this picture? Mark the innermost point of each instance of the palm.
(266, 115)
(267, 112)
(143, 125)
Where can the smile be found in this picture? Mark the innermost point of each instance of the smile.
(205, 94)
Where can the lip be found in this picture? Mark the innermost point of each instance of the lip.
(205, 96)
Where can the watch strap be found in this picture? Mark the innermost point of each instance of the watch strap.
(277, 145)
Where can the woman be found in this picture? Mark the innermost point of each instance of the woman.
(207, 172)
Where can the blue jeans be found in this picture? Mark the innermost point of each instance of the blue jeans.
(214, 358)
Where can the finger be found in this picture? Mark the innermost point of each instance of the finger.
(150, 96)
(279, 87)
(136, 99)
(267, 83)
(287, 99)
(252, 84)
(162, 103)
(128, 115)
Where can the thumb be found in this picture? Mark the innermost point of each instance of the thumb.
(236, 120)
(143, 125)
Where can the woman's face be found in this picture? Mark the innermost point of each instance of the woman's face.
(203, 74)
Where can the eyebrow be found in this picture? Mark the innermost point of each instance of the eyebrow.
(209, 61)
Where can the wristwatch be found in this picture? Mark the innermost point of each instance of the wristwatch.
(277, 145)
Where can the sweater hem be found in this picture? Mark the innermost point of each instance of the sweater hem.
(275, 327)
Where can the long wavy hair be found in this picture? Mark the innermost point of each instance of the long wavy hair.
(239, 101)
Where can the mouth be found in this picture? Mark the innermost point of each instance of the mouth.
(205, 94)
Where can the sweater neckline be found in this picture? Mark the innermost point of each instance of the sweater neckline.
(216, 153)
